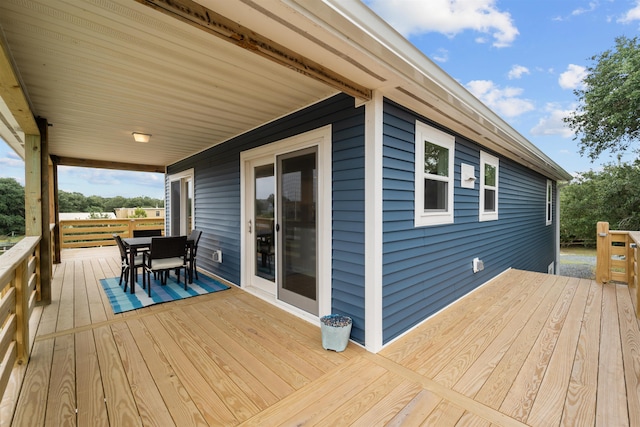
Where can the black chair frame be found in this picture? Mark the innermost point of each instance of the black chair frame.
(167, 253)
(124, 262)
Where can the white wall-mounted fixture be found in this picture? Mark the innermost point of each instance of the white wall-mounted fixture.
(141, 137)
(217, 256)
(467, 176)
(478, 265)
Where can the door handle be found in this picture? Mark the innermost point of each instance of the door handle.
(249, 226)
(277, 227)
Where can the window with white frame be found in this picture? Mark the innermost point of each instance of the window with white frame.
(549, 202)
(435, 151)
(489, 166)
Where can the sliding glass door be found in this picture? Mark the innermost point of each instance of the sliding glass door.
(286, 205)
(297, 235)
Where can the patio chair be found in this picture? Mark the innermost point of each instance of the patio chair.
(165, 254)
(193, 251)
(147, 233)
(124, 262)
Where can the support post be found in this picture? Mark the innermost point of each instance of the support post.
(32, 186)
(57, 257)
(603, 253)
(46, 258)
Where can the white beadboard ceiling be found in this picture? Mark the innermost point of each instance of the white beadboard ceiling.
(99, 70)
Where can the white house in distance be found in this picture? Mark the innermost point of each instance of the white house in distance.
(337, 168)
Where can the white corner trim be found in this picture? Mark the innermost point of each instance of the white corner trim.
(373, 223)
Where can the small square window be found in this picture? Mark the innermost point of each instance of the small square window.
(435, 151)
(489, 166)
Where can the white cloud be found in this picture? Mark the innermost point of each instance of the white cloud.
(632, 14)
(12, 160)
(504, 101)
(552, 123)
(579, 11)
(573, 77)
(449, 17)
(441, 55)
(517, 71)
(107, 182)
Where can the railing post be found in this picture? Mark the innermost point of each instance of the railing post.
(22, 310)
(603, 253)
(629, 257)
(635, 283)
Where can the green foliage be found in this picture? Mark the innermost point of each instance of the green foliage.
(98, 215)
(139, 213)
(609, 195)
(77, 202)
(608, 115)
(11, 207)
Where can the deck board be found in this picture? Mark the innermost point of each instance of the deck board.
(630, 339)
(522, 393)
(524, 348)
(91, 402)
(551, 395)
(579, 407)
(610, 410)
(179, 403)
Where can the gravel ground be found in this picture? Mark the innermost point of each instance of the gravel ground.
(577, 265)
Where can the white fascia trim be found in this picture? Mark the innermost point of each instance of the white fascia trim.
(373, 224)
(407, 61)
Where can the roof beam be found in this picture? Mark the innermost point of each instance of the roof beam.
(16, 118)
(207, 20)
(100, 164)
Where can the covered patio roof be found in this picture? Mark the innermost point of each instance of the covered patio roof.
(196, 74)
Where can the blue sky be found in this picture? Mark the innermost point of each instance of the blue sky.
(522, 58)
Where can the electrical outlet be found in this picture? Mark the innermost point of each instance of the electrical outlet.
(217, 256)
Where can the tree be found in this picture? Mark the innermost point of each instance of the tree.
(72, 202)
(11, 207)
(607, 195)
(139, 213)
(608, 114)
(77, 202)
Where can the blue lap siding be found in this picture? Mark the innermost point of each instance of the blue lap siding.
(217, 198)
(427, 268)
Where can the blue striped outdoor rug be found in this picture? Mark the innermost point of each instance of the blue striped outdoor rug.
(121, 301)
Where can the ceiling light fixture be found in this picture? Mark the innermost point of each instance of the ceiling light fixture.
(141, 137)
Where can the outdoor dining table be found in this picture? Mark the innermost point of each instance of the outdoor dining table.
(141, 243)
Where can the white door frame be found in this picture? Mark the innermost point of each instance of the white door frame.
(183, 177)
(321, 138)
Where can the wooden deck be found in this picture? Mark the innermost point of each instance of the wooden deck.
(526, 349)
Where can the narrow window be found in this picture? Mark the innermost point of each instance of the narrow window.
(549, 202)
(435, 152)
(489, 166)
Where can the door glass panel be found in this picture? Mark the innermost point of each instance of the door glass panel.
(264, 185)
(176, 218)
(298, 205)
(181, 213)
